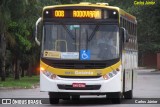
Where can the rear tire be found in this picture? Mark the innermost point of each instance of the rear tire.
(53, 98)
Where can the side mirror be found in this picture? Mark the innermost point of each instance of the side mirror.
(124, 34)
(36, 31)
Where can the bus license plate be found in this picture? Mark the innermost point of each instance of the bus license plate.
(78, 85)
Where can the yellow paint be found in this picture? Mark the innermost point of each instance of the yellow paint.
(79, 72)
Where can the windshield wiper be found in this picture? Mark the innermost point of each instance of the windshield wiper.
(86, 39)
(69, 32)
(93, 33)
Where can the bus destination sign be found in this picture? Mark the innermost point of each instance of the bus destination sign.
(91, 14)
(96, 13)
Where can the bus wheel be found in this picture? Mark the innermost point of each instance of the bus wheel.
(53, 98)
(75, 97)
(128, 94)
(115, 97)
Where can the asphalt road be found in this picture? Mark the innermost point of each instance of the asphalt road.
(147, 86)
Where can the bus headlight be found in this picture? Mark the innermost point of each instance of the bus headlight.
(110, 74)
(49, 74)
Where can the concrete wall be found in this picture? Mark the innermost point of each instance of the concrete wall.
(158, 60)
(149, 60)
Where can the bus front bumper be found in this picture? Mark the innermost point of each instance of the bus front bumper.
(113, 84)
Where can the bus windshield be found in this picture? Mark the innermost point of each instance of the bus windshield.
(69, 41)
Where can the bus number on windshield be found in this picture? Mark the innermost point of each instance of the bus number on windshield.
(59, 13)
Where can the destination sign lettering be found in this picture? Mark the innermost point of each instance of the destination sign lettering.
(93, 14)
(80, 14)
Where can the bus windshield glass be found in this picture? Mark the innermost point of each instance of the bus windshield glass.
(80, 42)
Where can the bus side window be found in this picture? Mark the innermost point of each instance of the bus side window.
(121, 22)
(132, 28)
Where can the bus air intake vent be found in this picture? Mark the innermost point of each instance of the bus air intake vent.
(79, 77)
(79, 65)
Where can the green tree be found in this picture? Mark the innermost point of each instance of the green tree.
(4, 19)
(20, 33)
(21, 28)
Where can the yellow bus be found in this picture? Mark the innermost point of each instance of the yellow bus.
(87, 49)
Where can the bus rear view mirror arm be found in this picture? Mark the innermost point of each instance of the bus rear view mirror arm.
(36, 32)
(125, 35)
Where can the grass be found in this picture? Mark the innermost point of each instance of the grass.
(25, 82)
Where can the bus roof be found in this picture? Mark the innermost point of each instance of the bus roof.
(102, 5)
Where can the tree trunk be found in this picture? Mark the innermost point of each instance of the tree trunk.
(24, 67)
(22, 75)
(16, 69)
(0, 66)
(30, 70)
(3, 51)
(0, 55)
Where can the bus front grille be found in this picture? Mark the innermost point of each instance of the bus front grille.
(79, 65)
(79, 77)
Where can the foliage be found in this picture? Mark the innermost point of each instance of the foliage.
(148, 18)
(20, 33)
(4, 15)
(149, 28)
(26, 82)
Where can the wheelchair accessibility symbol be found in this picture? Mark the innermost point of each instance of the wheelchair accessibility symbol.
(85, 55)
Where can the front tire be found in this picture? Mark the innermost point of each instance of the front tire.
(53, 98)
(116, 98)
(128, 94)
(75, 97)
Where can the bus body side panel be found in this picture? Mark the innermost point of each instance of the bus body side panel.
(130, 64)
(127, 67)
